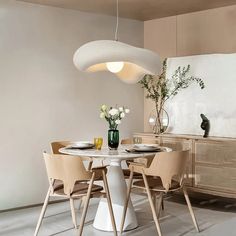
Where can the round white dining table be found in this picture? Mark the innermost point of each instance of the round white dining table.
(117, 185)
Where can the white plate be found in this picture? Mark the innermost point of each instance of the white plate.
(81, 144)
(145, 147)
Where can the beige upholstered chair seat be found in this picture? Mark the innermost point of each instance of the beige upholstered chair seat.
(79, 189)
(58, 184)
(155, 184)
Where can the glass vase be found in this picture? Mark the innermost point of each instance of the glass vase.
(159, 124)
(113, 139)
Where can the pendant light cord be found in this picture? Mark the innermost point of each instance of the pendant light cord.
(117, 20)
(176, 32)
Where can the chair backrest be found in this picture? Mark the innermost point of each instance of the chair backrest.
(149, 141)
(127, 141)
(66, 168)
(55, 146)
(169, 166)
(130, 141)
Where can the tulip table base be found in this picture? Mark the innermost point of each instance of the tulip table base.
(118, 192)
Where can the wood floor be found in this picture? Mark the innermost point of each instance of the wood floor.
(215, 217)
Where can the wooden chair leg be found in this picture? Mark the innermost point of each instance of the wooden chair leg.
(151, 204)
(190, 209)
(159, 204)
(80, 203)
(162, 204)
(127, 201)
(73, 213)
(109, 202)
(90, 165)
(154, 199)
(42, 212)
(86, 205)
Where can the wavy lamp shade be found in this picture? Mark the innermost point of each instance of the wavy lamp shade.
(132, 63)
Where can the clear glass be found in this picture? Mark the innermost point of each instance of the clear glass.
(137, 140)
(159, 124)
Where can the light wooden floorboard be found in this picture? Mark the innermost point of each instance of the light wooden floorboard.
(214, 218)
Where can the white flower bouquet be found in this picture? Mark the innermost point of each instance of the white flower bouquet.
(113, 115)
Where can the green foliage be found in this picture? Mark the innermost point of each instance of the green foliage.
(160, 88)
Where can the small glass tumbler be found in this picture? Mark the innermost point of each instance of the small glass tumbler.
(137, 140)
(98, 143)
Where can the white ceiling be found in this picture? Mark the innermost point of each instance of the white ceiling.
(138, 9)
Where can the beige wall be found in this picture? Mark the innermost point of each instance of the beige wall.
(42, 95)
(210, 31)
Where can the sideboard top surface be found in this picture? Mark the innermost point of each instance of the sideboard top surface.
(185, 136)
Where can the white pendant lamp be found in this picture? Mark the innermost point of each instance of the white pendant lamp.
(129, 63)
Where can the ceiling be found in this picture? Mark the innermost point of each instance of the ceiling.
(137, 9)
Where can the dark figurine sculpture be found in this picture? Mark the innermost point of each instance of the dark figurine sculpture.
(205, 125)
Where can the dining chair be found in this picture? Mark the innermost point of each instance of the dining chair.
(164, 175)
(55, 146)
(77, 183)
(126, 171)
(145, 161)
(127, 141)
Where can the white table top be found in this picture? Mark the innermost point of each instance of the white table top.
(120, 153)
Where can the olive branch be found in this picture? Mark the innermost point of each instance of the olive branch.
(160, 89)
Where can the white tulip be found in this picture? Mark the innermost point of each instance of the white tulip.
(113, 111)
(127, 110)
(122, 114)
(102, 115)
(117, 122)
(121, 109)
(104, 107)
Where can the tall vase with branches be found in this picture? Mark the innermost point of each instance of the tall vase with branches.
(160, 89)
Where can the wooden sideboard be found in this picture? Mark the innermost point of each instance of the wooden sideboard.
(211, 167)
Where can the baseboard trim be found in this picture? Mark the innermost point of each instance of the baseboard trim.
(30, 206)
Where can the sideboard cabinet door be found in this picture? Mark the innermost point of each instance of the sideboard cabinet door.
(215, 165)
